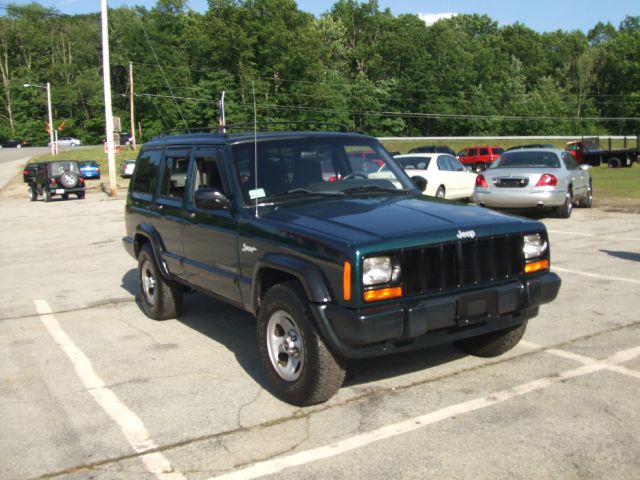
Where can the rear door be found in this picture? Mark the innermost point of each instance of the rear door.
(210, 236)
(578, 177)
(169, 205)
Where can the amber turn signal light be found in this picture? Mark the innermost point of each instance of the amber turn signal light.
(536, 266)
(346, 281)
(382, 294)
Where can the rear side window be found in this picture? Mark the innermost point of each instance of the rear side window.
(146, 172)
(484, 151)
(174, 176)
(473, 152)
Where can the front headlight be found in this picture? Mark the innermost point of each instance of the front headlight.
(379, 271)
(534, 246)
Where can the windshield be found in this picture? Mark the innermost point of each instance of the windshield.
(58, 168)
(412, 163)
(321, 166)
(523, 159)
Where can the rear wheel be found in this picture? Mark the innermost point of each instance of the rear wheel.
(587, 201)
(614, 162)
(161, 299)
(295, 358)
(80, 195)
(564, 210)
(493, 344)
(47, 195)
(33, 194)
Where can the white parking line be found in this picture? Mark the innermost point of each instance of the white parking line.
(131, 426)
(596, 275)
(270, 467)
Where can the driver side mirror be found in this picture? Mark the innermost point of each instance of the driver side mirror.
(419, 182)
(210, 199)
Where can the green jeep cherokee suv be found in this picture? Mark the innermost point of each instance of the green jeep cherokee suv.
(332, 247)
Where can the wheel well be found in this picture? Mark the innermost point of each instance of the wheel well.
(270, 277)
(139, 241)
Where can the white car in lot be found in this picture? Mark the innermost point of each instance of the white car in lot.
(446, 176)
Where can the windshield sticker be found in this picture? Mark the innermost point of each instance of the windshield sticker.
(257, 193)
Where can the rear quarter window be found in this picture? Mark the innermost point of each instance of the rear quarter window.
(146, 172)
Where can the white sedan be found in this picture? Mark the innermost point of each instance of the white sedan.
(446, 176)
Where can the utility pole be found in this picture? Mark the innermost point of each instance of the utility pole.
(53, 143)
(108, 111)
(131, 108)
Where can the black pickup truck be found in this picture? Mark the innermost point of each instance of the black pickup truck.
(324, 238)
(590, 152)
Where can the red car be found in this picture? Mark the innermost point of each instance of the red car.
(480, 157)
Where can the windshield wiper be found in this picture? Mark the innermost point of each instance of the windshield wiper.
(304, 192)
(374, 188)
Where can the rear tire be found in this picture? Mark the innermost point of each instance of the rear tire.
(47, 195)
(587, 201)
(614, 162)
(161, 299)
(297, 362)
(564, 210)
(80, 195)
(493, 344)
(33, 194)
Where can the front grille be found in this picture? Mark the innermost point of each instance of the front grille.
(511, 182)
(448, 266)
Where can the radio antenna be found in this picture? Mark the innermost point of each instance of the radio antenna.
(255, 142)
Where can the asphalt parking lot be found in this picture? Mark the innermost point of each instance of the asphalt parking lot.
(92, 388)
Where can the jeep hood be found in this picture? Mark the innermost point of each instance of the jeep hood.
(370, 220)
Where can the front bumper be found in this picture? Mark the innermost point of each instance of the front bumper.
(414, 324)
(519, 198)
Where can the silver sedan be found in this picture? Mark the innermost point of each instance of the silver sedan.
(536, 178)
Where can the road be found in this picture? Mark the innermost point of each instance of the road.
(92, 388)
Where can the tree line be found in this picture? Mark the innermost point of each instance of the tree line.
(356, 65)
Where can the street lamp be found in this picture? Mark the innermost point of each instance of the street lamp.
(47, 87)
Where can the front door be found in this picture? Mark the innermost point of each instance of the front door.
(210, 238)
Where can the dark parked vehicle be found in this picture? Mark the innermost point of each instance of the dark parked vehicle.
(30, 172)
(589, 151)
(15, 144)
(60, 177)
(433, 149)
(90, 169)
(334, 259)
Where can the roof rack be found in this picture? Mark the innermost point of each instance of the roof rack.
(261, 127)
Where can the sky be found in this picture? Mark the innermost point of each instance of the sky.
(540, 15)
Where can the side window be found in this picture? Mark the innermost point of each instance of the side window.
(570, 162)
(455, 165)
(146, 172)
(174, 175)
(208, 170)
(484, 151)
(443, 165)
(473, 152)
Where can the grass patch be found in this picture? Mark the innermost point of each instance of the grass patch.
(611, 183)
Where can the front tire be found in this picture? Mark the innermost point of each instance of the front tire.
(493, 344)
(161, 299)
(298, 364)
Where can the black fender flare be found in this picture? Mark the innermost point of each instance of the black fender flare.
(308, 274)
(157, 246)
